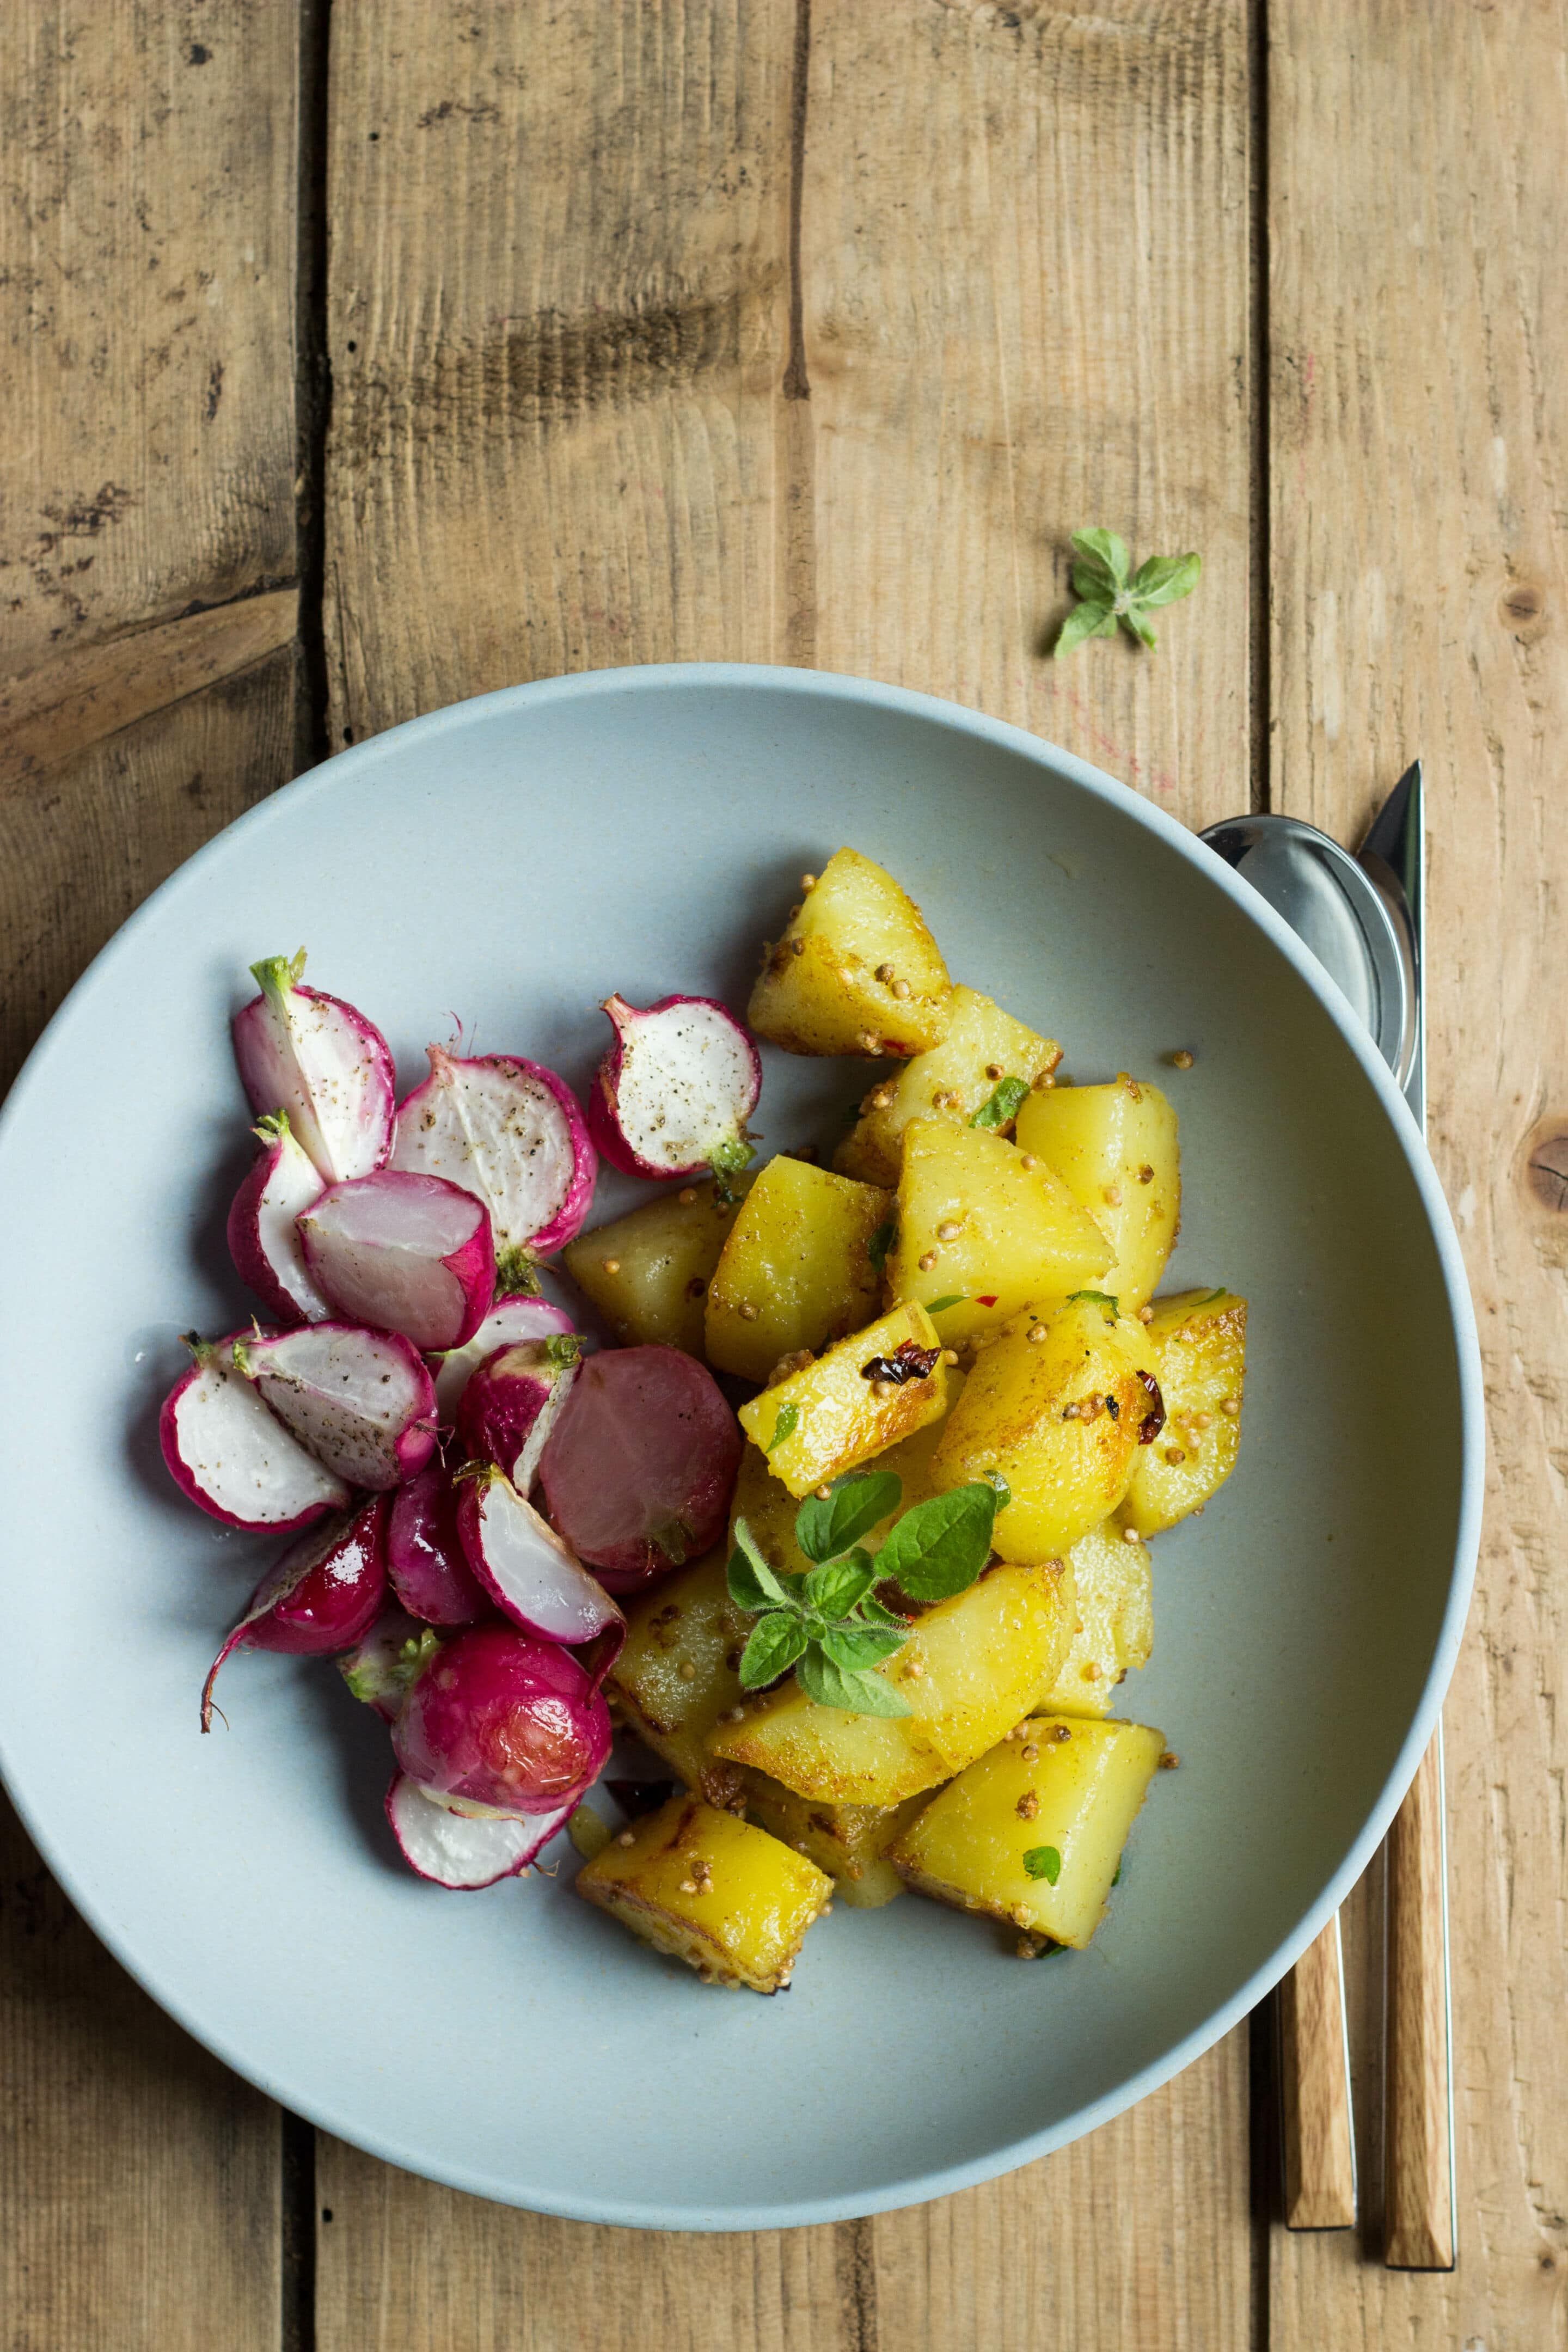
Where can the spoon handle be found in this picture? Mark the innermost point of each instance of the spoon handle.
(1317, 2142)
(1418, 2153)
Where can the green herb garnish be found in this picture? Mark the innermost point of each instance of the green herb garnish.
(1111, 597)
(785, 1426)
(1001, 1104)
(1094, 1298)
(880, 1242)
(953, 1299)
(828, 1624)
(1044, 1862)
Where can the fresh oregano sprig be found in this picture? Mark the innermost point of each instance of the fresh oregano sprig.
(828, 1623)
(1114, 595)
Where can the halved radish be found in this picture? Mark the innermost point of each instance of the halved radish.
(674, 1092)
(465, 1850)
(501, 1718)
(321, 1596)
(511, 1133)
(361, 1400)
(513, 1402)
(381, 1668)
(262, 1236)
(324, 1063)
(232, 1456)
(518, 1316)
(528, 1571)
(641, 1464)
(424, 1557)
(402, 1252)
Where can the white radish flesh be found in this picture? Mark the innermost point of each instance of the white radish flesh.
(525, 1568)
(509, 1132)
(464, 1851)
(513, 1317)
(361, 1400)
(512, 1403)
(263, 1237)
(324, 1063)
(233, 1458)
(673, 1094)
(403, 1253)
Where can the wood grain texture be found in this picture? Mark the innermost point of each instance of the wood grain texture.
(1315, 2122)
(1417, 2179)
(147, 199)
(1419, 431)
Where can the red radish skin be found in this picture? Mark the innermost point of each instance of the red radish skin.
(509, 1132)
(674, 1092)
(640, 1467)
(262, 1237)
(501, 1718)
(322, 1596)
(518, 1316)
(424, 1557)
(234, 1458)
(464, 1851)
(401, 1253)
(512, 1403)
(381, 1667)
(324, 1063)
(361, 1402)
(524, 1565)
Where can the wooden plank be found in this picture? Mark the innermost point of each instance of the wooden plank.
(146, 309)
(1419, 431)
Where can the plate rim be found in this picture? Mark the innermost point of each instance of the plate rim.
(958, 719)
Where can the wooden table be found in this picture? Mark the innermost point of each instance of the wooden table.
(358, 360)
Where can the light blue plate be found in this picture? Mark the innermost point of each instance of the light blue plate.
(510, 862)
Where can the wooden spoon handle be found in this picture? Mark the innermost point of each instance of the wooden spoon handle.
(1418, 2168)
(1315, 2090)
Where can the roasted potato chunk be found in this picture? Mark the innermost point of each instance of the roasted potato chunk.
(984, 1048)
(648, 1273)
(857, 972)
(795, 1270)
(769, 1509)
(678, 1672)
(1115, 1148)
(1199, 1338)
(866, 1394)
(707, 1888)
(1066, 1795)
(981, 1235)
(849, 1842)
(1115, 1584)
(969, 1670)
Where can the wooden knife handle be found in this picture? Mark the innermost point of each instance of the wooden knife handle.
(1418, 2182)
(1315, 2090)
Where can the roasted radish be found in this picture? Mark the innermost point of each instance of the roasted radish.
(501, 1718)
(512, 1403)
(464, 1851)
(528, 1571)
(519, 1315)
(324, 1063)
(323, 1595)
(235, 1458)
(263, 1237)
(381, 1667)
(402, 1252)
(361, 1400)
(674, 1091)
(424, 1557)
(640, 1466)
(511, 1133)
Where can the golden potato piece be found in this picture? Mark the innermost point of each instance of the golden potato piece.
(709, 1889)
(985, 1048)
(849, 1842)
(1066, 1794)
(1115, 1584)
(1200, 1345)
(797, 1269)
(857, 972)
(648, 1273)
(867, 1394)
(1115, 1148)
(678, 1672)
(981, 1235)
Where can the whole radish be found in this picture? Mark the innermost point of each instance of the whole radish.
(424, 1557)
(322, 1596)
(324, 1063)
(465, 1850)
(263, 1237)
(503, 1719)
(674, 1091)
(509, 1132)
(528, 1571)
(401, 1253)
(641, 1464)
(513, 1402)
(518, 1315)
(233, 1458)
(381, 1668)
(361, 1400)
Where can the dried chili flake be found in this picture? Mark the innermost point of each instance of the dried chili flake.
(1154, 1420)
(909, 1362)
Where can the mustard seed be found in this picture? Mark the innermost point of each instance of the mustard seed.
(1131, 1535)
(686, 1194)
(807, 885)
(885, 973)
(1113, 1196)
(1030, 1161)
(626, 1838)
(1026, 1948)
(1145, 1314)
(611, 1265)
(947, 1231)
(1231, 1405)
(1145, 1174)
(901, 988)
(687, 1671)
(1175, 1454)
(882, 1099)
(1028, 1806)
(1029, 1752)
(993, 1069)
(797, 947)
(928, 1261)
(748, 1312)
(950, 1355)
(1183, 1060)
